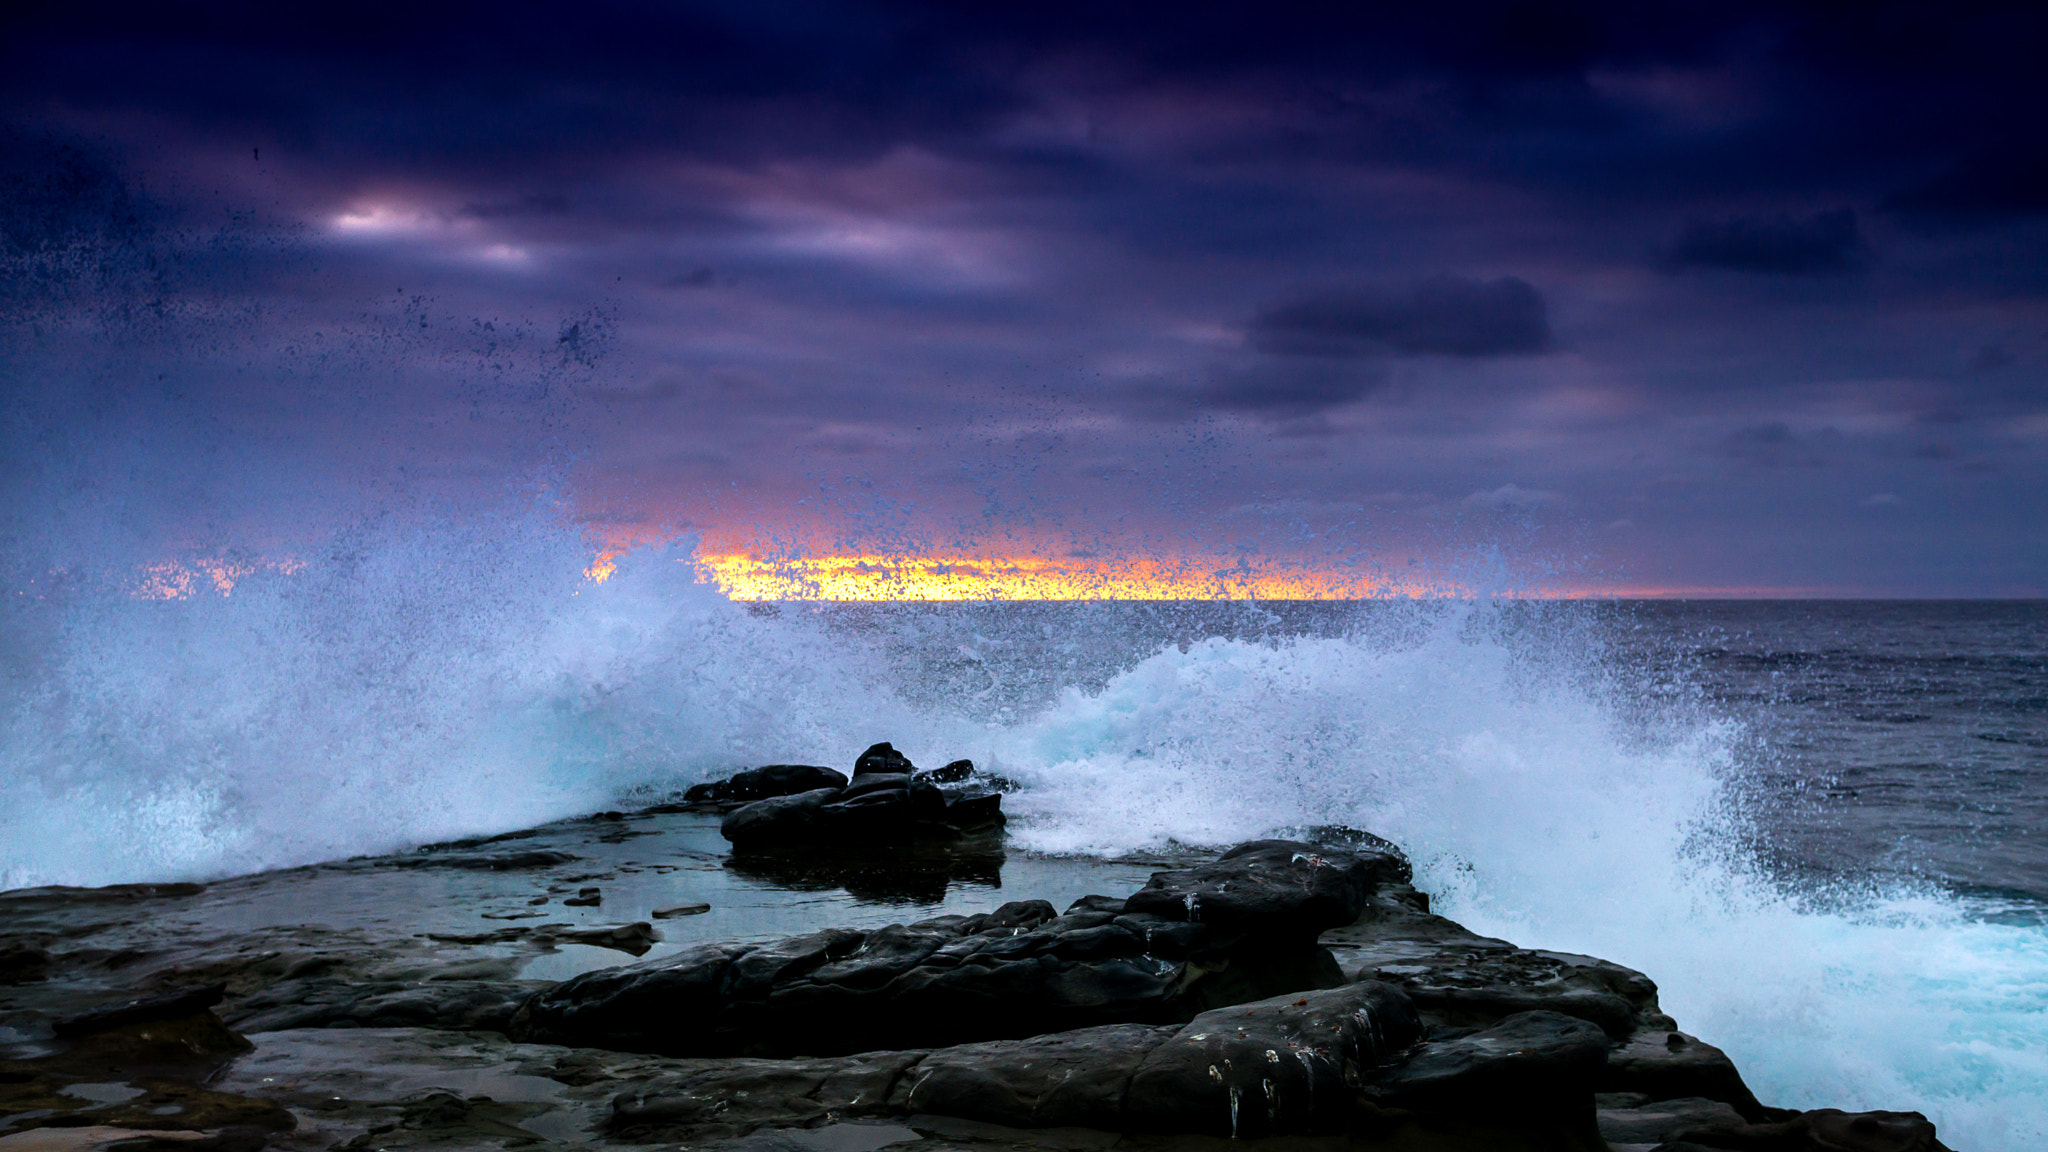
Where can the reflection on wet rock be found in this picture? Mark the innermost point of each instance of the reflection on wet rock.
(907, 877)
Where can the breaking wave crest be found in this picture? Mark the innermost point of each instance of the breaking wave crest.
(1502, 762)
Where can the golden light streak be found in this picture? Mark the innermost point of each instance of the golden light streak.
(875, 577)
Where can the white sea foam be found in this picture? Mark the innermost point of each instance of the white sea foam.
(408, 683)
(1535, 814)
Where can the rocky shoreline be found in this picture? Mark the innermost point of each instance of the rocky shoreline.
(1295, 993)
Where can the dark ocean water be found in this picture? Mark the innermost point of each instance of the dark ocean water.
(1884, 738)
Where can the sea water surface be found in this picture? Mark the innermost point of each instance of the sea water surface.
(1815, 824)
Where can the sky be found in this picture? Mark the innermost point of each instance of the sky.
(1705, 299)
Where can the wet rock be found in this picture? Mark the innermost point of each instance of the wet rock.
(179, 1105)
(736, 1096)
(1533, 1067)
(973, 813)
(875, 810)
(584, 898)
(1018, 971)
(675, 910)
(199, 1040)
(1114, 905)
(913, 873)
(766, 781)
(1278, 1067)
(234, 1138)
(1667, 1065)
(1821, 1130)
(23, 964)
(485, 1005)
(169, 1006)
(1279, 890)
(1467, 986)
(33, 1095)
(869, 782)
(1282, 1067)
(1646, 1122)
(634, 939)
(882, 757)
(26, 901)
(487, 861)
(886, 803)
(1070, 1079)
(499, 936)
(1139, 1019)
(953, 773)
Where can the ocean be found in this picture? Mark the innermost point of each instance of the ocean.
(1816, 824)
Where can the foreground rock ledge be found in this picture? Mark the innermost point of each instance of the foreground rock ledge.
(1287, 990)
(1294, 994)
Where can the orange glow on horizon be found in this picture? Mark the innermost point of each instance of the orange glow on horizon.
(744, 577)
(874, 577)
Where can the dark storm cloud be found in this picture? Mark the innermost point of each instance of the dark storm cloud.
(469, 86)
(1049, 257)
(1444, 315)
(2011, 180)
(1824, 243)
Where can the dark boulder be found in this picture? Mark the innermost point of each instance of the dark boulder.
(882, 757)
(1476, 982)
(763, 782)
(1533, 1069)
(953, 773)
(1068, 1079)
(878, 809)
(1276, 889)
(887, 803)
(1651, 1122)
(1667, 1065)
(1821, 1130)
(1282, 1066)
(1278, 1067)
(869, 782)
(1285, 1067)
(731, 1096)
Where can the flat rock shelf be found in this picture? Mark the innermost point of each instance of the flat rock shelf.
(943, 994)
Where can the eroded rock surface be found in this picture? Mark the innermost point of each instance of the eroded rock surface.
(1237, 930)
(1287, 994)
